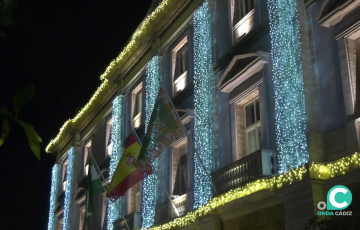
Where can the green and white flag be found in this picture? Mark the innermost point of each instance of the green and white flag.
(94, 186)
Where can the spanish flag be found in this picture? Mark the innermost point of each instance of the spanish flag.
(127, 174)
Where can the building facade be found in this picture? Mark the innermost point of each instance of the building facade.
(268, 92)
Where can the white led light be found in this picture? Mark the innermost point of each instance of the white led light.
(150, 183)
(53, 196)
(116, 140)
(290, 118)
(203, 104)
(68, 189)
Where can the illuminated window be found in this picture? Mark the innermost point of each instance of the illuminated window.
(82, 219)
(252, 126)
(180, 186)
(241, 9)
(87, 152)
(180, 66)
(60, 223)
(109, 144)
(138, 197)
(137, 106)
(65, 165)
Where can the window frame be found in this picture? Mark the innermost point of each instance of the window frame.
(183, 77)
(136, 117)
(87, 147)
(108, 144)
(253, 126)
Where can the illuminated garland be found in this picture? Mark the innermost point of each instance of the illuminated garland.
(53, 196)
(287, 178)
(288, 85)
(317, 170)
(215, 202)
(203, 104)
(116, 139)
(144, 29)
(68, 189)
(71, 122)
(150, 183)
(340, 167)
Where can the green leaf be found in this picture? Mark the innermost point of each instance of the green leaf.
(23, 96)
(35, 148)
(6, 112)
(5, 131)
(33, 137)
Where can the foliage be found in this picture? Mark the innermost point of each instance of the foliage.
(6, 17)
(20, 98)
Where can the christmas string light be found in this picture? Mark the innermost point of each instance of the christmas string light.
(150, 183)
(53, 196)
(203, 104)
(215, 202)
(290, 113)
(140, 34)
(288, 178)
(68, 189)
(117, 140)
(340, 167)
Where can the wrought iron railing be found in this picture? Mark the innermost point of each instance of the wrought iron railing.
(258, 164)
(180, 204)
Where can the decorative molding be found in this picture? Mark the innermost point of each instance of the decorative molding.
(334, 17)
(251, 69)
(246, 92)
(349, 31)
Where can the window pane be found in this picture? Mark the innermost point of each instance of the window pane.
(251, 141)
(181, 63)
(257, 110)
(258, 137)
(138, 103)
(250, 114)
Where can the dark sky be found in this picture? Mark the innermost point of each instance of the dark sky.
(63, 47)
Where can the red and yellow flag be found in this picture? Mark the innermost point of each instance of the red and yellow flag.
(127, 174)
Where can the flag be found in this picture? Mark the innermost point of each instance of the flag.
(126, 174)
(94, 186)
(163, 130)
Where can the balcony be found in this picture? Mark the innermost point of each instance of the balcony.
(259, 164)
(180, 204)
(133, 220)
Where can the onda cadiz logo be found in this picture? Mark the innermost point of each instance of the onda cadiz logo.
(339, 197)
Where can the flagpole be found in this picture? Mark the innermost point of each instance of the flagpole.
(106, 187)
(162, 184)
(185, 131)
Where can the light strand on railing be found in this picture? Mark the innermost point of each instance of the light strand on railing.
(290, 116)
(117, 141)
(68, 189)
(203, 104)
(53, 196)
(150, 183)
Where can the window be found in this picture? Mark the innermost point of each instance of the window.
(82, 218)
(65, 165)
(87, 152)
(138, 197)
(137, 106)
(60, 224)
(180, 187)
(252, 126)
(109, 144)
(180, 66)
(241, 9)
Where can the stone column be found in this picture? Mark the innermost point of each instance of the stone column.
(311, 89)
(77, 176)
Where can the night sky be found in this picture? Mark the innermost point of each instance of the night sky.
(63, 47)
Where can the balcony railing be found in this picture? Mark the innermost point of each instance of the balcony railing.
(180, 204)
(133, 220)
(258, 164)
